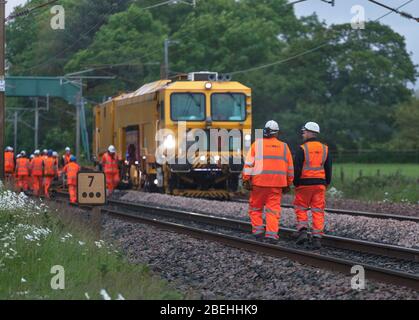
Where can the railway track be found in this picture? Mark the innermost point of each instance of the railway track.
(354, 213)
(152, 215)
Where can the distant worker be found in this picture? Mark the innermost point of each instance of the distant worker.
(37, 172)
(111, 169)
(44, 154)
(22, 172)
(9, 164)
(50, 172)
(313, 173)
(30, 180)
(71, 169)
(268, 171)
(66, 157)
(55, 156)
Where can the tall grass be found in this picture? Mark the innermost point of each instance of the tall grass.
(34, 238)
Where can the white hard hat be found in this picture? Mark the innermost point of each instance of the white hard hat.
(55, 154)
(45, 151)
(111, 149)
(272, 125)
(67, 149)
(32, 156)
(36, 152)
(311, 126)
(9, 148)
(23, 153)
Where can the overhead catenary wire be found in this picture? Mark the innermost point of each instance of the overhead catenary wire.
(306, 51)
(395, 10)
(27, 11)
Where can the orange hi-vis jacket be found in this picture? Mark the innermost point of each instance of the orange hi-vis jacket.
(50, 167)
(71, 169)
(66, 158)
(110, 164)
(9, 162)
(269, 164)
(22, 167)
(37, 166)
(315, 155)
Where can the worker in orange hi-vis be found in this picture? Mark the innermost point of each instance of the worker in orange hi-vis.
(50, 172)
(30, 180)
(45, 154)
(22, 172)
(66, 157)
(71, 169)
(9, 164)
(268, 172)
(37, 172)
(313, 173)
(111, 169)
(55, 156)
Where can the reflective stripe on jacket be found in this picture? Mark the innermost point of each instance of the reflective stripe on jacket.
(269, 164)
(110, 164)
(50, 168)
(22, 167)
(37, 166)
(315, 155)
(9, 162)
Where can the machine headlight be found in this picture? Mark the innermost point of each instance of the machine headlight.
(136, 162)
(208, 85)
(156, 181)
(203, 158)
(247, 137)
(169, 142)
(126, 162)
(216, 158)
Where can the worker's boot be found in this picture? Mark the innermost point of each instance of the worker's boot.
(316, 243)
(302, 236)
(258, 236)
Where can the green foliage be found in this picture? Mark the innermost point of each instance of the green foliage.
(352, 84)
(407, 127)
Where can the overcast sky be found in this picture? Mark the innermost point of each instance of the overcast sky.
(341, 13)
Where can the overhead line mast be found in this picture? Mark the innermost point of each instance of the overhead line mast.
(2, 84)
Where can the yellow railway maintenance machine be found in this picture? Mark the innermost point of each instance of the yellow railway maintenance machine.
(157, 115)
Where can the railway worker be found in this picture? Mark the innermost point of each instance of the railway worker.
(9, 164)
(313, 173)
(22, 172)
(71, 169)
(37, 172)
(111, 169)
(45, 154)
(50, 172)
(66, 156)
(56, 161)
(268, 171)
(30, 180)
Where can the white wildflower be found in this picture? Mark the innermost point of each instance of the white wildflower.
(105, 295)
(120, 297)
(87, 296)
(82, 243)
(23, 280)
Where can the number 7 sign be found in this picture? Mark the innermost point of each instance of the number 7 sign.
(91, 188)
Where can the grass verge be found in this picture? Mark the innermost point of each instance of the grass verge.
(41, 252)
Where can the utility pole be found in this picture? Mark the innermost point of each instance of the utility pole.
(15, 131)
(36, 122)
(166, 58)
(2, 85)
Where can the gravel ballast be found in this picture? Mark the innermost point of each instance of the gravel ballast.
(401, 233)
(208, 270)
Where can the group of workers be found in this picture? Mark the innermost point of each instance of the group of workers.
(270, 170)
(36, 172)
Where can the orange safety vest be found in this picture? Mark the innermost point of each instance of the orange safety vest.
(50, 168)
(269, 164)
(315, 155)
(9, 163)
(22, 167)
(37, 166)
(66, 158)
(71, 169)
(110, 164)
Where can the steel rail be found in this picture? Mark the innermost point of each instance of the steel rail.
(314, 259)
(375, 215)
(328, 240)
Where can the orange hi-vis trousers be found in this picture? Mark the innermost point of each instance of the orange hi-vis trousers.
(47, 184)
(72, 190)
(22, 183)
(313, 197)
(112, 181)
(37, 184)
(270, 199)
